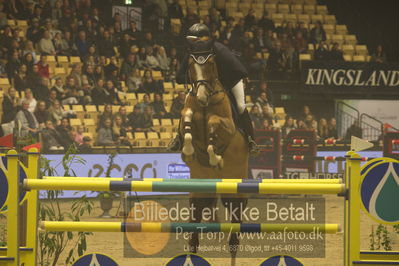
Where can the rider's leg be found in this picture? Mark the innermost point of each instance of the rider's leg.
(244, 119)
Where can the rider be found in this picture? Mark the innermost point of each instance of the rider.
(231, 74)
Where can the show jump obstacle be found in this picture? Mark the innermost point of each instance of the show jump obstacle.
(15, 255)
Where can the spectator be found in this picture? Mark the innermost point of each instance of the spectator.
(34, 32)
(332, 128)
(86, 147)
(323, 129)
(105, 46)
(267, 124)
(106, 114)
(379, 55)
(305, 112)
(300, 124)
(249, 20)
(335, 53)
(150, 60)
(41, 92)
(21, 81)
(30, 100)
(149, 84)
(52, 98)
(173, 68)
(134, 81)
(99, 94)
(78, 135)
(256, 117)
(288, 126)
(122, 113)
(30, 49)
(46, 45)
(136, 119)
(13, 65)
(175, 10)
(29, 62)
(105, 136)
(133, 32)
(178, 105)
(43, 66)
(51, 138)
(82, 44)
(300, 43)
(113, 92)
(119, 131)
(128, 66)
(65, 132)
(25, 121)
(61, 45)
(57, 113)
(317, 33)
(321, 53)
(225, 37)
(10, 105)
(158, 106)
(311, 123)
(147, 119)
(263, 101)
(266, 23)
(144, 103)
(41, 114)
(162, 59)
(354, 130)
(76, 74)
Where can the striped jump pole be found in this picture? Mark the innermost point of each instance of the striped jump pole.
(200, 187)
(276, 180)
(154, 227)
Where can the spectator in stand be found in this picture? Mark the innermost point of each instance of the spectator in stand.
(317, 33)
(267, 124)
(266, 23)
(147, 119)
(30, 100)
(311, 123)
(354, 130)
(57, 113)
(113, 92)
(173, 68)
(144, 103)
(105, 46)
(82, 44)
(322, 129)
(51, 138)
(288, 126)
(41, 114)
(178, 105)
(61, 45)
(162, 59)
(332, 128)
(76, 75)
(379, 55)
(30, 49)
(34, 32)
(46, 45)
(41, 92)
(119, 131)
(276, 63)
(300, 124)
(26, 121)
(28, 62)
(43, 66)
(65, 132)
(175, 10)
(106, 114)
(303, 30)
(78, 135)
(142, 58)
(149, 84)
(10, 105)
(21, 81)
(128, 66)
(236, 40)
(125, 45)
(158, 106)
(105, 136)
(151, 61)
(249, 20)
(335, 53)
(256, 117)
(13, 65)
(123, 115)
(136, 119)
(321, 53)
(52, 98)
(133, 32)
(260, 41)
(99, 94)
(300, 44)
(56, 11)
(133, 81)
(262, 100)
(305, 112)
(226, 35)
(86, 147)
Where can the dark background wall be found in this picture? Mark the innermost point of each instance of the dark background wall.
(373, 21)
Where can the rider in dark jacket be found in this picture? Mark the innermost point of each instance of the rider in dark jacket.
(231, 73)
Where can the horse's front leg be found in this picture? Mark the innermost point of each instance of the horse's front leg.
(188, 148)
(222, 128)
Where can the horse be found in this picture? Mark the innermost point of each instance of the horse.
(213, 147)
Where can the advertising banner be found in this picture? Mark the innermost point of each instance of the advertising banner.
(349, 74)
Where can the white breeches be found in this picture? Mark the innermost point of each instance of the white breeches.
(239, 95)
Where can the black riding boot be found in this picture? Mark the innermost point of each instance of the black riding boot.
(176, 144)
(246, 125)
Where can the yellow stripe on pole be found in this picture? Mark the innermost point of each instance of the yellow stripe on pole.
(151, 227)
(226, 187)
(54, 184)
(141, 186)
(81, 226)
(301, 188)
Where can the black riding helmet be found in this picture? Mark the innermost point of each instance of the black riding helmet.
(199, 38)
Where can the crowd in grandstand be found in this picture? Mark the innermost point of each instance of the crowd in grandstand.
(116, 61)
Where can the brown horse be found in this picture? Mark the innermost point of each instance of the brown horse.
(212, 145)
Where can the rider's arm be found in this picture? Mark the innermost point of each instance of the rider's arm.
(181, 77)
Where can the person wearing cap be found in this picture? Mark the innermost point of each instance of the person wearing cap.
(231, 73)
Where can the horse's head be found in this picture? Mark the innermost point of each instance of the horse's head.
(203, 76)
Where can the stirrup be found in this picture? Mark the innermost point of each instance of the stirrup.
(175, 144)
(253, 147)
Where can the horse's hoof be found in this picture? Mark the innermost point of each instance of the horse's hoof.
(188, 148)
(216, 161)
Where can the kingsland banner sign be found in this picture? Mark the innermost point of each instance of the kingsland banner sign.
(349, 74)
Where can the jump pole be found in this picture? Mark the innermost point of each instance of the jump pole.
(199, 187)
(274, 180)
(153, 227)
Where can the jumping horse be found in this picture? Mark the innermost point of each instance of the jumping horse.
(213, 147)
